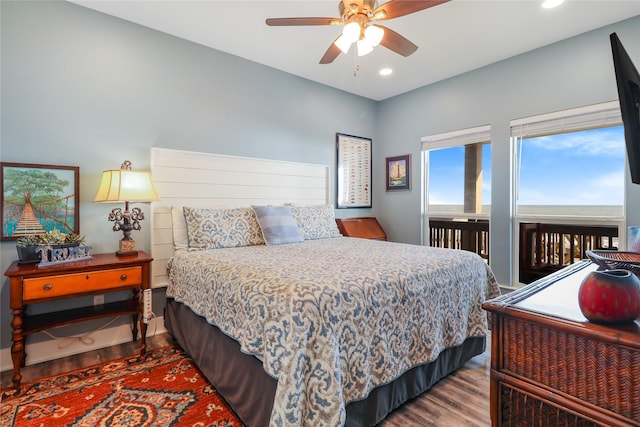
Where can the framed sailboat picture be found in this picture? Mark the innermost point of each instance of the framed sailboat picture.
(399, 172)
(38, 199)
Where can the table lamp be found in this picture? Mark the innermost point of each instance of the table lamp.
(125, 185)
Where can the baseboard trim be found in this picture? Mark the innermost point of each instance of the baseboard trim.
(45, 351)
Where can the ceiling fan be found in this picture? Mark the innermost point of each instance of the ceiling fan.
(358, 17)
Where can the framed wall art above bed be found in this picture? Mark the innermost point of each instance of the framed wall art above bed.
(353, 171)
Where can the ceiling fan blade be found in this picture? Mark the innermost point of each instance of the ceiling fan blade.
(331, 54)
(284, 22)
(397, 8)
(397, 43)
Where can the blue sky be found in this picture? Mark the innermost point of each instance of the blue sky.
(577, 168)
(446, 176)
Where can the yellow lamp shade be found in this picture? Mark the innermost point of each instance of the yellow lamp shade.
(121, 185)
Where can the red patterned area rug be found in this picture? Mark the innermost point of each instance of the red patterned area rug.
(162, 388)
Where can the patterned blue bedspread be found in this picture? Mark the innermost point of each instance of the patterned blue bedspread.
(331, 319)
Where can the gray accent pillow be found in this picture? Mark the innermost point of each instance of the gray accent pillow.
(277, 225)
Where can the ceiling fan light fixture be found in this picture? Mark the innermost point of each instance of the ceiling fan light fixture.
(343, 44)
(364, 47)
(357, 18)
(373, 34)
(351, 31)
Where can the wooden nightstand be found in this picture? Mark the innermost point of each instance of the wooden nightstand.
(103, 274)
(364, 227)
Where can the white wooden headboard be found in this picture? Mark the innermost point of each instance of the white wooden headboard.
(187, 178)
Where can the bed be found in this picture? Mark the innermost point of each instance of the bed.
(307, 327)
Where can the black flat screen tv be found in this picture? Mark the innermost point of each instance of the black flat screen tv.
(628, 81)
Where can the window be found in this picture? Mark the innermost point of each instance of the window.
(457, 199)
(569, 186)
(571, 165)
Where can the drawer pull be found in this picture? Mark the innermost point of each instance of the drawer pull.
(47, 287)
(123, 277)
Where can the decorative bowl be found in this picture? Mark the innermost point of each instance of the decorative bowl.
(611, 260)
(610, 296)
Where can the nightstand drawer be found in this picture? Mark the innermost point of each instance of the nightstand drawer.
(67, 284)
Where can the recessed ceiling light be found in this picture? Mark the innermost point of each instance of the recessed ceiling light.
(386, 71)
(550, 4)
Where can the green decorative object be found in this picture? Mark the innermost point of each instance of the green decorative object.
(28, 246)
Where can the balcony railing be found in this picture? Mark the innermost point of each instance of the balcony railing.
(472, 235)
(544, 248)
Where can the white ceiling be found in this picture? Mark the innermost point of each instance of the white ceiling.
(453, 38)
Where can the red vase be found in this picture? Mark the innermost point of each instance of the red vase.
(610, 296)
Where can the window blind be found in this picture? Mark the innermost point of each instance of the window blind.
(593, 116)
(456, 138)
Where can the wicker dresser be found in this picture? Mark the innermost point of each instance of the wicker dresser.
(551, 367)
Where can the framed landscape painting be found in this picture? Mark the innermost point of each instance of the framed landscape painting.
(399, 172)
(39, 198)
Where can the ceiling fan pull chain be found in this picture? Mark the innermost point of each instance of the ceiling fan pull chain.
(356, 65)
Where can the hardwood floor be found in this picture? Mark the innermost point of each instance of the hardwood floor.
(459, 400)
(65, 364)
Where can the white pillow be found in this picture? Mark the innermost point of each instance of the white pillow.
(180, 239)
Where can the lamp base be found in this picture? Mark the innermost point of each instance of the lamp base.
(126, 253)
(127, 247)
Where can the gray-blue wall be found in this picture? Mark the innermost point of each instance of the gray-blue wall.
(85, 89)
